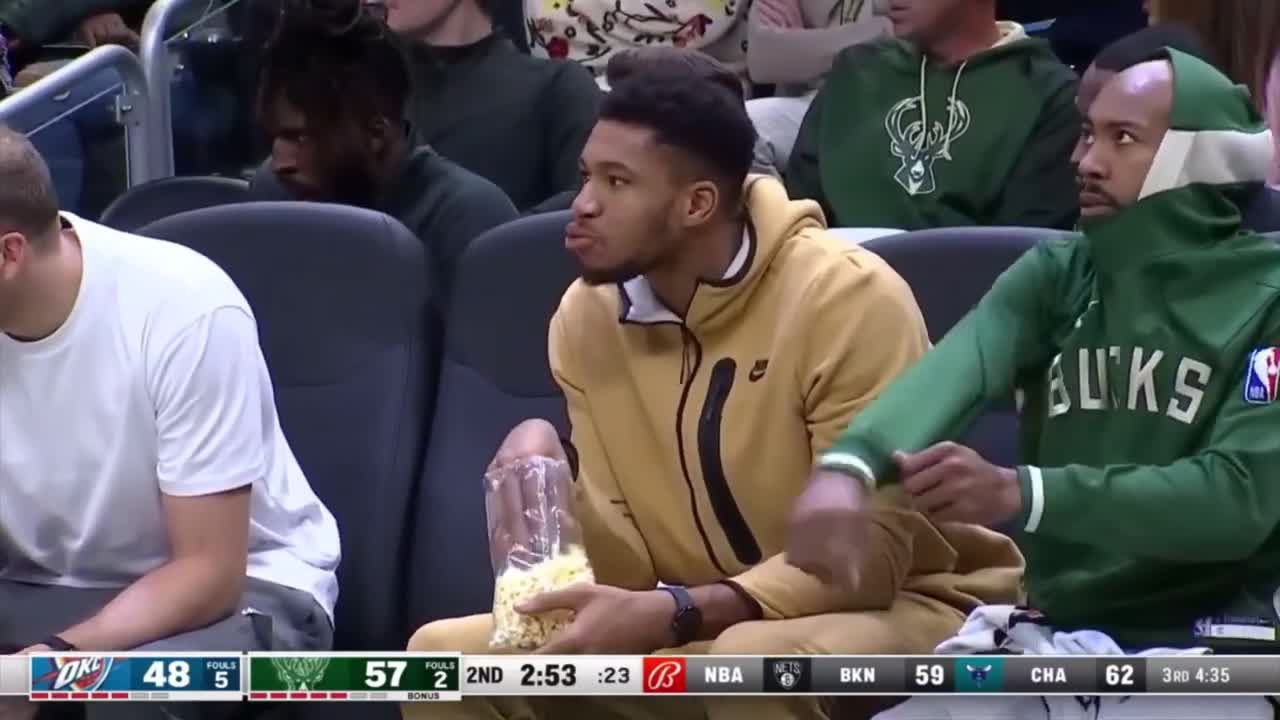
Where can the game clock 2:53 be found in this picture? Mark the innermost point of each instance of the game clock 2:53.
(548, 675)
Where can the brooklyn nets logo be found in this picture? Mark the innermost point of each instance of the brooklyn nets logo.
(300, 673)
(919, 147)
(788, 673)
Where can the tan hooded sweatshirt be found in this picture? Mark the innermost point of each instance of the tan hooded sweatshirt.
(695, 435)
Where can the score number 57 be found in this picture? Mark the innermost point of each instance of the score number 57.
(387, 673)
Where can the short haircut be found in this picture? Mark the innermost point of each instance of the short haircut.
(634, 61)
(694, 114)
(28, 201)
(334, 61)
(1149, 43)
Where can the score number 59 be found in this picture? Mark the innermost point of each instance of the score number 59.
(930, 676)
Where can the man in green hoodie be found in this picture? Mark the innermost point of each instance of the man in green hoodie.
(1145, 351)
(957, 120)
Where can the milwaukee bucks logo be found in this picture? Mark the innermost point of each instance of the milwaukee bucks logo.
(300, 673)
(919, 147)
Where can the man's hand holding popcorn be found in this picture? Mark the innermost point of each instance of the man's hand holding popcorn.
(606, 620)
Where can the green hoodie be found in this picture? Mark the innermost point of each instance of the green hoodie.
(1002, 126)
(1145, 353)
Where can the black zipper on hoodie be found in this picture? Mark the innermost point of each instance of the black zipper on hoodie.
(726, 509)
(687, 374)
(743, 542)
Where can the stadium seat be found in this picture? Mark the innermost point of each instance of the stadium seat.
(162, 198)
(494, 374)
(342, 313)
(949, 270)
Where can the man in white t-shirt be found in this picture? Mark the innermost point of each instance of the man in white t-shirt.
(148, 498)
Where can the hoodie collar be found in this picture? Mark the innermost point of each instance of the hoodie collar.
(640, 304)
(771, 219)
(1212, 159)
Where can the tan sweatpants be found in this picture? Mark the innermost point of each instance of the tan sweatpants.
(914, 625)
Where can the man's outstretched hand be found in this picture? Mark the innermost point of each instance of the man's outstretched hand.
(607, 620)
(827, 530)
(949, 482)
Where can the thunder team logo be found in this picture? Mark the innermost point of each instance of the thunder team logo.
(1262, 376)
(77, 674)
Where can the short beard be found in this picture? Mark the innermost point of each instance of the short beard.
(355, 183)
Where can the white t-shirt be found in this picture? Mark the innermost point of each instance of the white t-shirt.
(154, 384)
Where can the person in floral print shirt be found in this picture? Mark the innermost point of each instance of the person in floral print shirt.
(590, 32)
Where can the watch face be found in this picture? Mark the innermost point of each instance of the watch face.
(687, 624)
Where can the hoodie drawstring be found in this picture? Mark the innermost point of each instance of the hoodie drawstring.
(951, 109)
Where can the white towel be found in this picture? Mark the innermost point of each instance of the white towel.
(1024, 631)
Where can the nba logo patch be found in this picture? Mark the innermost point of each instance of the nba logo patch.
(1261, 376)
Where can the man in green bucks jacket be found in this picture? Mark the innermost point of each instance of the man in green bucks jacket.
(1146, 354)
(956, 120)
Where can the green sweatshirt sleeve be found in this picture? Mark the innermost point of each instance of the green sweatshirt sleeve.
(1041, 189)
(976, 363)
(1219, 505)
(803, 180)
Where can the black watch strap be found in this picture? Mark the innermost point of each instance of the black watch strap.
(57, 643)
(686, 623)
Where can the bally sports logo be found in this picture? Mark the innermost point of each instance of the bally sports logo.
(664, 675)
(81, 674)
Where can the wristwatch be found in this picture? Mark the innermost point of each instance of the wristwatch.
(57, 644)
(686, 623)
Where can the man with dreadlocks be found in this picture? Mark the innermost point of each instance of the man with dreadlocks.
(332, 98)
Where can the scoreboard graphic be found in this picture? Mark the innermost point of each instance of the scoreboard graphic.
(420, 677)
(88, 676)
(394, 677)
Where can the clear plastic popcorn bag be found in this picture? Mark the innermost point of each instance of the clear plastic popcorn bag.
(535, 545)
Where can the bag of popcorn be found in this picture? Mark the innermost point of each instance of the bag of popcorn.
(535, 545)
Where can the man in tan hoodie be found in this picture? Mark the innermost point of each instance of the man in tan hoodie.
(718, 340)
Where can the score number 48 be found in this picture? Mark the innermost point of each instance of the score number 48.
(177, 674)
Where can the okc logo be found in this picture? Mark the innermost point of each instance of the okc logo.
(663, 675)
(1263, 376)
(79, 674)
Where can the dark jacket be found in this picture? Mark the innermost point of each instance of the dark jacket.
(39, 22)
(517, 120)
(446, 206)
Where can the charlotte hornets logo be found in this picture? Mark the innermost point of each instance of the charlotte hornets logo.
(919, 147)
(981, 674)
(978, 674)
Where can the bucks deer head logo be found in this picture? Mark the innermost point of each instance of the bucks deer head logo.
(300, 673)
(919, 147)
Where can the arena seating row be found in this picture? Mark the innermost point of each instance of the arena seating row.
(394, 420)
